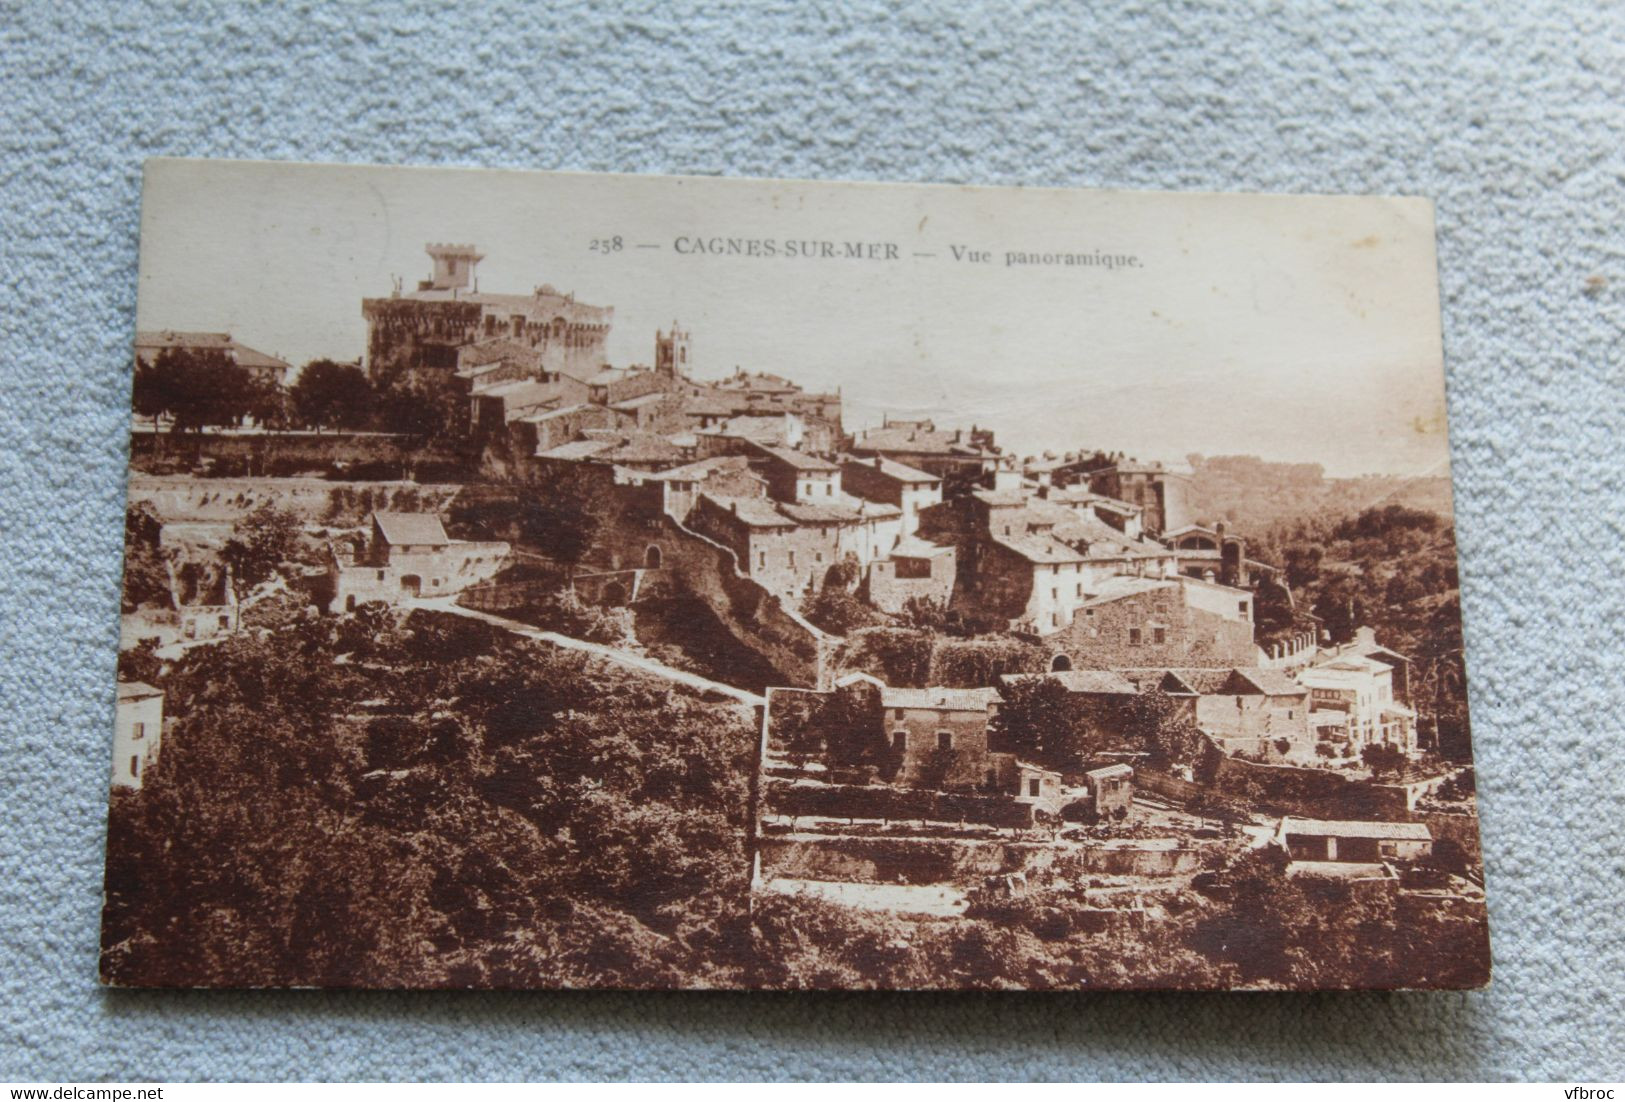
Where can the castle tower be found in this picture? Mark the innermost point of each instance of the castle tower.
(453, 266)
(671, 351)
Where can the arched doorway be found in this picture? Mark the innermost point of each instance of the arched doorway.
(651, 558)
(411, 584)
(1060, 664)
(614, 595)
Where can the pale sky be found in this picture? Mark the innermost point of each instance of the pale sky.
(1296, 328)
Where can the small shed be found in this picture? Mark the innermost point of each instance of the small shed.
(1353, 840)
(1111, 788)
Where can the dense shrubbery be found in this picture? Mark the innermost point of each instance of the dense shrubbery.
(1253, 926)
(509, 815)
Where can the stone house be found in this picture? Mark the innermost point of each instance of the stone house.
(1177, 621)
(795, 476)
(940, 739)
(728, 476)
(409, 555)
(1353, 841)
(960, 457)
(1162, 494)
(880, 479)
(1035, 562)
(915, 570)
(785, 558)
(492, 409)
(531, 434)
(1243, 710)
(1121, 515)
(138, 732)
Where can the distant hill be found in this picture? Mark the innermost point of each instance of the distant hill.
(1256, 496)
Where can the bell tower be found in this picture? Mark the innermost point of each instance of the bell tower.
(672, 351)
(453, 266)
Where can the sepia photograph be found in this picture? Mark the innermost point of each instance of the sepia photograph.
(541, 580)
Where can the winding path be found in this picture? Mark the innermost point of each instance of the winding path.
(622, 657)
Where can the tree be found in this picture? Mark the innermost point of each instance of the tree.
(1040, 720)
(1157, 722)
(260, 543)
(146, 575)
(852, 725)
(838, 612)
(1383, 761)
(193, 387)
(332, 395)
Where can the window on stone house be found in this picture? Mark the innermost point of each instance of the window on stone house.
(1159, 635)
(761, 559)
(135, 765)
(899, 740)
(1032, 786)
(1241, 607)
(945, 740)
(792, 558)
(829, 489)
(138, 731)
(1134, 637)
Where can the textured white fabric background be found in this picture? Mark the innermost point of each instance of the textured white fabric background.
(1508, 115)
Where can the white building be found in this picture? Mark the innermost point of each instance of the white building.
(138, 731)
(1351, 699)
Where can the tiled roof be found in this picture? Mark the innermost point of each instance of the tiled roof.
(754, 511)
(919, 440)
(411, 528)
(709, 405)
(912, 547)
(137, 690)
(898, 472)
(1118, 588)
(801, 461)
(578, 450)
(156, 340)
(1001, 499)
(1351, 828)
(1272, 682)
(1082, 681)
(956, 700)
(645, 447)
(701, 469)
(821, 514)
(1039, 548)
(550, 414)
(640, 401)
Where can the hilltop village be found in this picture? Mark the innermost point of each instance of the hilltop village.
(976, 674)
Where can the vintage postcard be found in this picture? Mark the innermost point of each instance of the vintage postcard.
(541, 580)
